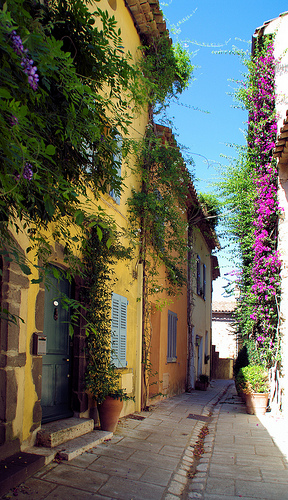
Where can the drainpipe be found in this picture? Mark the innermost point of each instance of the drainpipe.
(190, 306)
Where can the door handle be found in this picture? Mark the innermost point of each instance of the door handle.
(66, 359)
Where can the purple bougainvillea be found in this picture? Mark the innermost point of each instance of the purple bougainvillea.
(261, 141)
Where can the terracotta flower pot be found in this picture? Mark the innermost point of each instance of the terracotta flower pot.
(256, 403)
(201, 386)
(109, 412)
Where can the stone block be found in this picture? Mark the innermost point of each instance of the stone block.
(39, 310)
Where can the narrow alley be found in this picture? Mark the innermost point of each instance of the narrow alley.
(201, 444)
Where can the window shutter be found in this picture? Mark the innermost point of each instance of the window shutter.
(118, 330)
(204, 282)
(198, 274)
(117, 158)
(172, 336)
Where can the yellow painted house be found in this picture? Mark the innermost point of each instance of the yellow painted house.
(42, 369)
(181, 339)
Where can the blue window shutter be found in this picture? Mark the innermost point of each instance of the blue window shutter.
(204, 282)
(118, 330)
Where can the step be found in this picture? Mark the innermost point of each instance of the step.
(72, 448)
(17, 468)
(55, 433)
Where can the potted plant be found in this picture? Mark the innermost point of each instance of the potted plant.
(202, 383)
(102, 382)
(253, 381)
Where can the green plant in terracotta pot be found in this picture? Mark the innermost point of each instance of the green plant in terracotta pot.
(254, 383)
(202, 382)
(101, 251)
(102, 381)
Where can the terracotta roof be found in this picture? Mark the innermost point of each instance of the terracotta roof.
(223, 306)
(281, 149)
(147, 17)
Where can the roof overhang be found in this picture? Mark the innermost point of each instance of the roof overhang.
(147, 17)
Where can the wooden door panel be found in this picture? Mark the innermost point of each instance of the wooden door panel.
(47, 398)
(55, 399)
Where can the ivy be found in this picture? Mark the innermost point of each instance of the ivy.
(67, 91)
(168, 70)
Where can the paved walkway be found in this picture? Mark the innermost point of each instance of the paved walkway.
(199, 445)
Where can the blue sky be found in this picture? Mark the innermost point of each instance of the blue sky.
(208, 26)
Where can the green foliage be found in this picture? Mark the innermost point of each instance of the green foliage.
(212, 208)
(241, 360)
(66, 129)
(160, 207)
(249, 188)
(59, 142)
(167, 68)
(252, 378)
(102, 377)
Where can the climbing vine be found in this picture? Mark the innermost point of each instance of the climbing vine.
(58, 127)
(160, 207)
(101, 251)
(255, 212)
(67, 91)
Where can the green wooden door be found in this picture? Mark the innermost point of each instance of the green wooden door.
(55, 399)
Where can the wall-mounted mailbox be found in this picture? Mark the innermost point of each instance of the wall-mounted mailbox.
(39, 344)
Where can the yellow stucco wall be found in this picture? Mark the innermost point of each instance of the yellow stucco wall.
(129, 274)
(168, 377)
(201, 316)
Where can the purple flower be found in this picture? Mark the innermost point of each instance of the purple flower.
(27, 172)
(26, 63)
(13, 120)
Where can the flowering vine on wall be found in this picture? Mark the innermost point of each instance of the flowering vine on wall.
(266, 265)
(250, 190)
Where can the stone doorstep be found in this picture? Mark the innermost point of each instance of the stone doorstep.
(60, 431)
(17, 468)
(72, 448)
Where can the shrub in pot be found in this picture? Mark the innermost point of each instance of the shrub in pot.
(102, 382)
(253, 381)
(202, 382)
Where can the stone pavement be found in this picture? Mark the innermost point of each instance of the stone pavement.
(198, 445)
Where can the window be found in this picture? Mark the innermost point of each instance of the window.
(172, 336)
(117, 159)
(118, 330)
(204, 282)
(198, 275)
(201, 278)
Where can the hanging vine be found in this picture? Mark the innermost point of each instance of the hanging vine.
(161, 208)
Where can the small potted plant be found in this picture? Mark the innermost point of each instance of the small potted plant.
(253, 381)
(202, 383)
